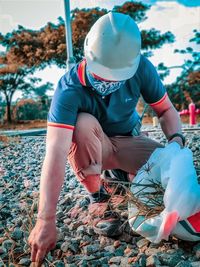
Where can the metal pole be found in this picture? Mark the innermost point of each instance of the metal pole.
(70, 58)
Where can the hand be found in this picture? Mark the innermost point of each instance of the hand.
(42, 239)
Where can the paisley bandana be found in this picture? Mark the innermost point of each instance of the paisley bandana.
(102, 87)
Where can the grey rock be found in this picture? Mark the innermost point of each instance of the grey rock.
(87, 238)
(17, 234)
(70, 259)
(88, 257)
(18, 250)
(84, 203)
(59, 263)
(67, 221)
(152, 261)
(95, 262)
(110, 249)
(170, 259)
(5, 213)
(103, 261)
(90, 249)
(124, 261)
(65, 246)
(83, 263)
(195, 264)
(196, 247)
(116, 259)
(72, 245)
(108, 254)
(61, 236)
(197, 254)
(60, 214)
(66, 201)
(90, 230)
(25, 261)
(119, 251)
(26, 247)
(2, 250)
(152, 251)
(142, 260)
(81, 230)
(7, 244)
(142, 242)
(184, 264)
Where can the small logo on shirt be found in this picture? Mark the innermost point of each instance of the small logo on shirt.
(128, 99)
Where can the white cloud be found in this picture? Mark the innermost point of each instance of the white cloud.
(7, 23)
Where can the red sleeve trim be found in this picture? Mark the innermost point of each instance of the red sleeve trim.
(159, 101)
(81, 72)
(60, 125)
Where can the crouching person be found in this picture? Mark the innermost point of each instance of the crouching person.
(93, 121)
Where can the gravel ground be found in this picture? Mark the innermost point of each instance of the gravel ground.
(77, 244)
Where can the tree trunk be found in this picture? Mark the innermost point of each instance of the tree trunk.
(8, 109)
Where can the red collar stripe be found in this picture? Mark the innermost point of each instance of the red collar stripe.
(81, 72)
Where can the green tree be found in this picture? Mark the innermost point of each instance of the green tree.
(48, 46)
(13, 78)
(38, 91)
(35, 49)
(186, 87)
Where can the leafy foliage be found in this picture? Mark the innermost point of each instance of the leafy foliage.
(186, 87)
(153, 39)
(29, 109)
(135, 10)
(28, 50)
(13, 78)
(48, 45)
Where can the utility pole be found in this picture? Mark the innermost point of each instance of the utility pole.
(70, 58)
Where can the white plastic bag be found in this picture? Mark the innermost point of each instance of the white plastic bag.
(172, 168)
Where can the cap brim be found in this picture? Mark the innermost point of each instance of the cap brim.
(110, 74)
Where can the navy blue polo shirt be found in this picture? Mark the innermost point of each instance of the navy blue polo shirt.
(116, 112)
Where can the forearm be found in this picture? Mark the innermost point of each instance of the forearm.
(170, 122)
(51, 182)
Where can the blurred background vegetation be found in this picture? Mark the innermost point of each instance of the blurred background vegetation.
(28, 50)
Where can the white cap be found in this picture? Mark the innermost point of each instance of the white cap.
(112, 47)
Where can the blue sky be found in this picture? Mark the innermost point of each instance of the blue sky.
(180, 17)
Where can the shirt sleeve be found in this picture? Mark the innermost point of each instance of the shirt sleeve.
(64, 106)
(152, 89)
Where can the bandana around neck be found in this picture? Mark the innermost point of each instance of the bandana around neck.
(102, 87)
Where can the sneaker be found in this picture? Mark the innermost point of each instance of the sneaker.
(105, 221)
(109, 224)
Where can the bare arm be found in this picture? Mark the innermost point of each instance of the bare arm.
(43, 236)
(53, 170)
(169, 119)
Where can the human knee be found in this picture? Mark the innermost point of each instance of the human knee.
(86, 126)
